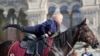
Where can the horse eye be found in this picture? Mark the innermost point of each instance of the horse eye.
(86, 30)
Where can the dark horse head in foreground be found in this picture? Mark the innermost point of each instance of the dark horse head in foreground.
(64, 42)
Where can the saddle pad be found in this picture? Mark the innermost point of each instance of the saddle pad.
(16, 50)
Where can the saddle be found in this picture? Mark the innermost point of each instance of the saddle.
(30, 42)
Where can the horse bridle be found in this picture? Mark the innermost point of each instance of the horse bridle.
(81, 30)
(78, 31)
(73, 37)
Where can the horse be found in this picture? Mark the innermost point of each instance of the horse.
(65, 41)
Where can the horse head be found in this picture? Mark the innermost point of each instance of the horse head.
(86, 35)
(65, 41)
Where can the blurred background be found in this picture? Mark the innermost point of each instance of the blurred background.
(32, 12)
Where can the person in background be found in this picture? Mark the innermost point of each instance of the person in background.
(74, 53)
(87, 53)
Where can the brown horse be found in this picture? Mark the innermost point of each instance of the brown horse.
(64, 42)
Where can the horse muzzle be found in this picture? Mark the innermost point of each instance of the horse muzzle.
(95, 45)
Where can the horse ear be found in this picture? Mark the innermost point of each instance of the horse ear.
(84, 21)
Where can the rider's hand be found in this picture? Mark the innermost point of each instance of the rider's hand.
(49, 33)
(46, 35)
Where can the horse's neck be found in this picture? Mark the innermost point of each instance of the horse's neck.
(60, 42)
(69, 48)
(74, 40)
(64, 50)
(72, 43)
(67, 36)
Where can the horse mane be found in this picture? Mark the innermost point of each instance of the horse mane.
(60, 40)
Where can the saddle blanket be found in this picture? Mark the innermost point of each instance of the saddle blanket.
(16, 50)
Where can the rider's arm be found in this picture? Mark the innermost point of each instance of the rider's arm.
(12, 25)
(28, 29)
(46, 27)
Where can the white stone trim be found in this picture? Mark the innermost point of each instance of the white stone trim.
(64, 4)
(52, 4)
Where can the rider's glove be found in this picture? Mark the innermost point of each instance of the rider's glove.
(14, 26)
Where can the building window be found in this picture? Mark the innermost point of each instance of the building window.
(77, 18)
(76, 15)
(11, 17)
(51, 10)
(76, 7)
(64, 9)
(66, 18)
(22, 17)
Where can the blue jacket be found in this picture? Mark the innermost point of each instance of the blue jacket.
(38, 30)
(88, 54)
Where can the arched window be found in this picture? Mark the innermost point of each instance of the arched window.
(64, 8)
(77, 18)
(11, 17)
(76, 15)
(22, 17)
(66, 19)
(51, 10)
(23, 21)
(76, 7)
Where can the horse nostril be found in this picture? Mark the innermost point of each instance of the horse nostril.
(98, 44)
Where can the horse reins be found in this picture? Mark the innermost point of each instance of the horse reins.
(74, 37)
